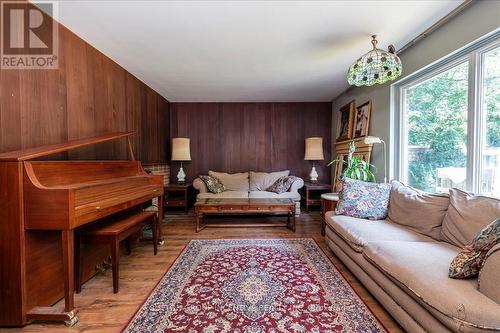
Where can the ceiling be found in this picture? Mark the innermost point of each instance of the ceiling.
(222, 51)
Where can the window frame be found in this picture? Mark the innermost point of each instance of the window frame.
(473, 54)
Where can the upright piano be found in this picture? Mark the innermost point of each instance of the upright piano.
(42, 202)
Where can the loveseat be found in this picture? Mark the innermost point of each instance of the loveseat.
(405, 264)
(250, 185)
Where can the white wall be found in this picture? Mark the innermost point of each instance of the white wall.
(475, 21)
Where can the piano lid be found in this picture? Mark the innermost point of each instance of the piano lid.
(31, 153)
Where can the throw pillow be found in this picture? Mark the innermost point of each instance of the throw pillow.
(363, 200)
(469, 261)
(282, 184)
(467, 215)
(420, 211)
(213, 184)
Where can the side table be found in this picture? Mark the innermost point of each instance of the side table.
(311, 194)
(179, 196)
(328, 203)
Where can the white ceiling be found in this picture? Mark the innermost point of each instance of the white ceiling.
(218, 51)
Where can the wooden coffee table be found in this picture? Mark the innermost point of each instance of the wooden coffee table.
(245, 207)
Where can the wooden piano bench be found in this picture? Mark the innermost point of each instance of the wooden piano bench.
(113, 233)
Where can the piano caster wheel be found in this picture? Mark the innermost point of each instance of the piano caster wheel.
(71, 322)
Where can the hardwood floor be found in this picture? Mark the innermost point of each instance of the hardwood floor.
(102, 311)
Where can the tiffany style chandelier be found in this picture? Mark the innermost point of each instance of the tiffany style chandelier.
(376, 66)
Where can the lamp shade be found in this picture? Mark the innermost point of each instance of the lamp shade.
(372, 139)
(180, 149)
(314, 149)
(375, 67)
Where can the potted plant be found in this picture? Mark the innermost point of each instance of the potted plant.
(356, 167)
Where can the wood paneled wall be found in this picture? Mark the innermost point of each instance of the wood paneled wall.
(88, 95)
(235, 137)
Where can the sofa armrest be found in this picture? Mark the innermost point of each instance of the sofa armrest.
(296, 185)
(200, 185)
(489, 277)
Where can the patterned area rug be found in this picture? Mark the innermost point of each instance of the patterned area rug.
(253, 286)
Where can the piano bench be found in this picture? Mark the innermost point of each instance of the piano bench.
(113, 233)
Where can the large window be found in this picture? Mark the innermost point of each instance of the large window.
(446, 123)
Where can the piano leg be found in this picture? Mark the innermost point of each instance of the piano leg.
(50, 313)
(160, 219)
(68, 245)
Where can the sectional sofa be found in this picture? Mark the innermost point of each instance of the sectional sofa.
(404, 260)
(250, 185)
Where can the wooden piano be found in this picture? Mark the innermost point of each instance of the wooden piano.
(41, 204)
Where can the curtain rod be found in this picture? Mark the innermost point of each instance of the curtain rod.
(437, 25)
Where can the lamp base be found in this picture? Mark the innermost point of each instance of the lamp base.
(313, 176)
(181, 176)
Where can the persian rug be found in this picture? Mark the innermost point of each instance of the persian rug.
(253, 286)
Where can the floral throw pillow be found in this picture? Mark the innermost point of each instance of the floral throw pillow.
(470, 260)
(213, 184)
(363, 200)
(282, 184)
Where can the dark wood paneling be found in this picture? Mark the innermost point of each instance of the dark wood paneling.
(235, 137)
(87, 96)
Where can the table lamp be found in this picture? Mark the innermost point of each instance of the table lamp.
(314, 152)
(181, 153)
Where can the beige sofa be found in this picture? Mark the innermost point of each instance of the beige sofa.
(406, 266)
(250, 185)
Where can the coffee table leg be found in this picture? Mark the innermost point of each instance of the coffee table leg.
(293, 221)
(197, 221)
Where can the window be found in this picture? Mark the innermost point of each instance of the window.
(446, 122)
(436, 112)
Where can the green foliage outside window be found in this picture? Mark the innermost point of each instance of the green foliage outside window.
(437, 121)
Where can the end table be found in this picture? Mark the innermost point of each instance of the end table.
(179, 196)
(311, 194)
(328, 204)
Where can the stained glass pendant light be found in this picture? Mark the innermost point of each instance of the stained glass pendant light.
(376, 66)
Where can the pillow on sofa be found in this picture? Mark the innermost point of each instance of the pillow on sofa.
(282, 184)
(466, 216)
(261, 181)
(420, 211)
(363, 200)
(232, 182)
(213, 184)
(469, 261)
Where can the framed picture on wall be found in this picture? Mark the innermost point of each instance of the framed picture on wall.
(362, 119)
(344, 124)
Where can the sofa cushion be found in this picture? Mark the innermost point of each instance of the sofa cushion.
(467, 215)
(223, 195)
(470, 259)
(489, 279)
(260, 181)
(359, 232)
(264, 194)
(419, 211)
(232, 182)
(421, 268)
(363, 199)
